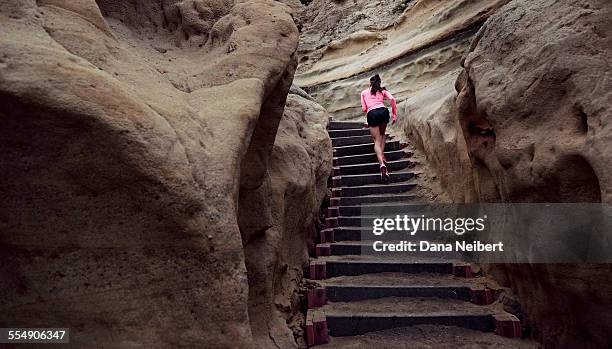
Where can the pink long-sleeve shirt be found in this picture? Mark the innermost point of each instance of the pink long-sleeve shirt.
(370, 101)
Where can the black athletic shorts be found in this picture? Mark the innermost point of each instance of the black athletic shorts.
(378, 116)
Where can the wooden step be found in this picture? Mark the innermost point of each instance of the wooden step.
(372, 178)
(374, 286)
(370, 158)
(356, 318)
(359, 233)
(374, 199)
(374, 189)
(344, 141)
(349, 132)
(364, 148)
(374, 167)
(345, 125)
(386, 208)
(339, 267)
(357, 248)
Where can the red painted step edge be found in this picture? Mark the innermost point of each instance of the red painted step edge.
(317, 270)
(316, 329)
(316, 297)
(331, 222)
(333, 211)
(323, 250)
(326, 235)
(507, 325)
(336, 182)
(481, 296)
(462, 270)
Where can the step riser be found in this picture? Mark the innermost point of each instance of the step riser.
(349, 221)
(364, 149)
(370, 158)
(347, 235)
(358, 293)
(357, 250)
(373, 168)
(334, 269)
(348, 133)
(387, 209)
(348, 201)
(353, 181)
(356, 235)
(383, 189)
(316, 329)
(345, 250)
(340, 326)
(339, 125)
(367, 221)
(344, 141)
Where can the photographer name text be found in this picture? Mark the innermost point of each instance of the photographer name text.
(428, 246)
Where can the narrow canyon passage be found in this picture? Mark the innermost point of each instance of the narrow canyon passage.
(196, 174)
(506, 101)
(362, 300)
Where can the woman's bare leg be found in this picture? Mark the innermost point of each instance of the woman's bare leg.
(382, 139)
(375, 132)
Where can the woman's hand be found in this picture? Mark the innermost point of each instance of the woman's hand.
(394, 120)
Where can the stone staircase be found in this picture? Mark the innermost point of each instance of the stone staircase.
(352, 294)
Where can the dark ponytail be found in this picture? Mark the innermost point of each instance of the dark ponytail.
(375, 82)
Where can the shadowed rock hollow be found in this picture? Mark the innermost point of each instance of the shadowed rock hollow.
(275, 253)
(135, 165)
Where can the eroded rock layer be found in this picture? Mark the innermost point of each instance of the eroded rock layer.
(132, 131)
(533, 104)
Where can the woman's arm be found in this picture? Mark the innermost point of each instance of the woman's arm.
(364, 106)
(390, 97)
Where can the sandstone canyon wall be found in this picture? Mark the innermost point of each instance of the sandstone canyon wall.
(534, 108)
(141, 185)
(275, 254)
(509, 101)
